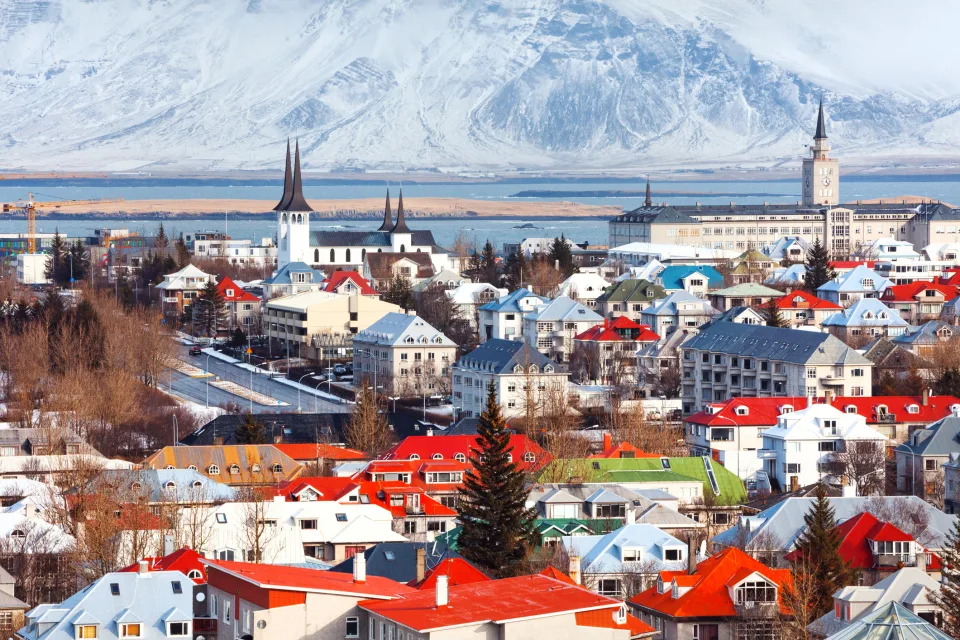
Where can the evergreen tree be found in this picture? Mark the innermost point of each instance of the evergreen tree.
(513, 270)
(251, 431)
(161, 241)
(78, 262)
(949, 383)
(496, 527)
(819, 549)
(183, 253)
(561, 256)
(209, 310)
(488, 265)
(238, 339)
(818, 269)
(772, 315)
(58, 271)
(400, 292)
(948, 598)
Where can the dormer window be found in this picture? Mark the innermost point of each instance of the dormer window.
(787, 408)
(255, 468)
(850, 408)
(87, 631)
(409, 340)
(830, 427)
(661, 587)
(192, 467)
(135, 487)
(868, 315)
(234, 469)
(414, 456)
(278, 468)
(170, 485)
(213, 470)
(756, 591)
(882, 410)
(438, 456)
(867, 283)
(459, 457)
(912, 408)
(229, 293)
(620, 615)
(742, 411)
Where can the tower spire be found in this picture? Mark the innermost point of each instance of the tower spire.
(297, 201)
(821, 133)
(401, 226)
(287, 184)
(648, 202)
(387, 215)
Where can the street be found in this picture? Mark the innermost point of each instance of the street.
(196, 389)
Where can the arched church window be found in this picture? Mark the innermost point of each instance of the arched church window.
(363, 254)
(348, 255)
(333, 256)
(316, 256)
(379, 250)
(403, 248)
(283, 219)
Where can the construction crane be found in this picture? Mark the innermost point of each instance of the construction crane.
(30, 206)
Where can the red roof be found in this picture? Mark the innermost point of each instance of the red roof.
(763, 412)
(426, 447)
(708, 595)
(608, 331)
(457, 570)
(183, 560)
(378, 493)
(495, 601)
(312, 451)
(239, 295)
(623, 322)
(338, 278)
(552, 572)
(800, 299)
(606, 619)
(909, 292)
(279, 577)
(953, 278)
(855, 548)
(851, 264)
(616, 451)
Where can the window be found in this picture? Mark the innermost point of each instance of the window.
(308, 524)
(87, 631)
(278, 468)
(608, 587)
(213, 470)
(222, 518)
(791, 467)
(756, 591)
(131, 630)
(830, 426)
(459, 457)
(176, 586)
(114, 589)
(353, 627)
(721, 518)
(827, 445)
(255, 468)
(194, 574)
(930, 465)
(234, 469)
(529, 457)
(179, 629)
(672, 555)
(341, 517)
(226, 612)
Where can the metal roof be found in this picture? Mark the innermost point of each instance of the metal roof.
(774, 343)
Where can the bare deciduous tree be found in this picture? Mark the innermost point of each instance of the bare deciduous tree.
(368, 430)
(862, 462)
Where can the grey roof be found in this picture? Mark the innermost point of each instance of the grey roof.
(189, 486)
(940, 438)
(366, 239)
(501, 356)
(559, 496)
(731, 314)
(398, 560)
(747, 289)
(509, 303)
(399, 329)
(774, 343)
(933, 212)
(668, 306)
(925, 334)
(605, 496)
(564, 308)
(656, 215)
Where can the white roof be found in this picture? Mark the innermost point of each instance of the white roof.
(400, 329)
(178, 279)
(808, 424)
(302, 301)
(467, 292)
(38, 536)
(17, 465)
(674, 251)
(584, 286)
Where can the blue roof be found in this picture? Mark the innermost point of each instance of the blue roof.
(282, 276)
(672, 277)
(865, 312)
(926, 334)
(853, 281)
(602, 554)
(509, 302)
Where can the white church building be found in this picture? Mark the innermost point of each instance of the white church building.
(344, 249)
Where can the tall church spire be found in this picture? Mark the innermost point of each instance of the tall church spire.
(401, 226)
(821, 133)
(297, 201)
(387, 216)
(648, 202)
(287, 184)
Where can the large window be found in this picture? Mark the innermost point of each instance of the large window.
(721, 435)
(179, 629)
(609, 587)
(87, 631)
(611, 511)
(756, 591)
(353, 627)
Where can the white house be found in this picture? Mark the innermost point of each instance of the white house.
(470, 296)
(503, 318)
(800, 450)
(181, 287)
(552, 327)
(584, 288)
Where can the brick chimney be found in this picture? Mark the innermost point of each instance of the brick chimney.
(575, 569)
(691, 554)
(421, 564)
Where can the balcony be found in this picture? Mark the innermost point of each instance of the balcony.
(767, 454)
(895, 560)
(832, 380)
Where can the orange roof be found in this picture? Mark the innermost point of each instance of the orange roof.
(605, 619)
(800, 299)
(278, 577)
(552, 572)
(183, 560)
(909, 292)
(457, 570)
(239, 295)
(312, 451)
(496, 601)
(708, 595)
(448, 447)
(616, 451)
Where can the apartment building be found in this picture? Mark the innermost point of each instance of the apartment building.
(404, 355)
(551, 328)
(503, 318)
(730, 359)
(679, 310)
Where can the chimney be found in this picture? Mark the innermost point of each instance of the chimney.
(429, 431)
(278, 439)
(575, 569)
(442, 595)
(421, 564)
(218, 441)
(607, 440)
(631, 515)
(828, 396)
(142, 567)
(168, 544)
(794, 484)
(926, 396)
(360, 567)
(691, 554)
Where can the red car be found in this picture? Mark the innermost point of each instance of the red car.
(195, 350)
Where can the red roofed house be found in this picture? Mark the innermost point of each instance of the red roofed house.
(319, 453)
(272, 601)
(919, 301)
(186, 561)
(348, 283)
(621, 450)
(879, 548)
(606, 353)
(457, 571)
(525, 607)
(242, 307)
(842, 267)
(803, 309)
(711, 602)
(439, 479)
(527, 453)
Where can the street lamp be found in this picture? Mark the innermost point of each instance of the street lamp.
(299, 407)
(176, 431)
(207, 380)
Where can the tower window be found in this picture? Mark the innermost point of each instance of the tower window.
(333, 256)
(316, 256)
(348, 255)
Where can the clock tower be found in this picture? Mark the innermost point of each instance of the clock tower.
(821, 173)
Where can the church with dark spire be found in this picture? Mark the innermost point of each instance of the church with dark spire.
(329, 250)
(821, 173)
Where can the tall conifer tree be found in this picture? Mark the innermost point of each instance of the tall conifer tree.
(497, 529)
(772, 315)
(818, 269)
(948, 598)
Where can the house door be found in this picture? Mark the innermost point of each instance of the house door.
(707, 632)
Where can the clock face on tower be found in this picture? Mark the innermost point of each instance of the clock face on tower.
(826, 182)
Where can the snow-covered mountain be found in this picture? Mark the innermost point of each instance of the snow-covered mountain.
(480, 84)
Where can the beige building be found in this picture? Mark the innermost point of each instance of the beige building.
(843, 229)
(404, 355)
(318, 323)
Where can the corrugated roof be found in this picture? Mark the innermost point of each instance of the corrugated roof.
(774, 343)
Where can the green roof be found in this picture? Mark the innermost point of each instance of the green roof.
(632, 290)
(642, 470)
(557, 527)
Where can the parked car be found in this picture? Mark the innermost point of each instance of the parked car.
(195, 350)
(340, 370)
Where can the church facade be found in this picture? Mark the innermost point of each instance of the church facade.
(842, 228)
(296, 242)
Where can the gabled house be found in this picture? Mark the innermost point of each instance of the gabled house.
(232, 465)
(12, 609)
(551, 328)
(606, 353)
(918, 301)
(628, 298)
(789, 249)
(921, 456)
(711, 600)
(181, 288)
(859, 282)
(751, 266)
(160, 487)
(678, 311)
(470, 296)
(749, 294)
(925, 339)
(186, 561)
(293, 278)
(348, 283)
(895, 360)
(803, 309)
(793, 276)
(141, 604)
(876, 549)
(585, 288)
(695, 279)
(866, 318)
(242, 307)
(503, 318)
(381, 268)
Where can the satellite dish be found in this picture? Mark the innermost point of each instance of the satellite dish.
(261, 624)
(201, 596)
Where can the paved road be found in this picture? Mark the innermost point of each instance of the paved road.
(195, 389)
